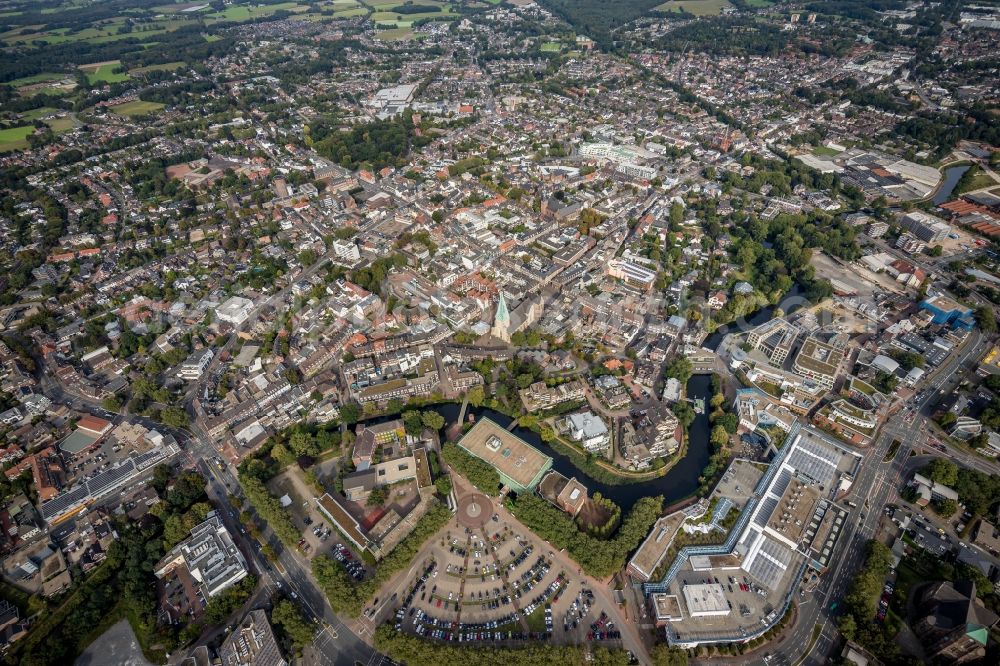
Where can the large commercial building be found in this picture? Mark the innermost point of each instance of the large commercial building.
(632, 274)
(209, 556)
(788, 523)
(252, 643)
(947, 311)
(775, 338)
(819, 361)
(926, 227)
(520, 465)
(126, 474)
(706, 600)
(235, 310)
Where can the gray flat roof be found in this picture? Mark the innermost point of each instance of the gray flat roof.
(77, 441)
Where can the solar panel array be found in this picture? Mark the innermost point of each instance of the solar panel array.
(767, 506)
(769, 566)
(57, 505)
(780, 483)
(814, 460)
(106, 482)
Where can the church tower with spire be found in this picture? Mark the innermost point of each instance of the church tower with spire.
(501, 322)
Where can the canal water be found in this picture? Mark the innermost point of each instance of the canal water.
(951, 178)
(789, 303)
(682, 479)
(679, 482)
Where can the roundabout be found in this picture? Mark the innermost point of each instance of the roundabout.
(474, 510)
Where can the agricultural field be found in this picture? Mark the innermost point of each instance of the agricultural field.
(696, 7)
(137, 108)
(15, 138)
(164, 67)
(398, 34)
(38, 78)
(250, 12)
(403, 13)
(104, 72)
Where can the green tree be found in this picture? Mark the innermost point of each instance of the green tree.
(986, 319)
(443, 485)
(432, 420)
(175, 417)
(377, 496)
(413, 422)
(476, 396)
(719, 436)
(941, 470)
(945, 508)
(290, 621)
(350, 412)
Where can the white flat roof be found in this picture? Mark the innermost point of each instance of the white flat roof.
(708, 599)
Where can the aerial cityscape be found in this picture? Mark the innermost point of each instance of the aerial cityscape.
(499, 332)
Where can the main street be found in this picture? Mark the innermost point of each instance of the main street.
(877, 481)
(337, 644)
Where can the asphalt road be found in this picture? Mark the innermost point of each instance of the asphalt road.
(877, 481)
(337, 644)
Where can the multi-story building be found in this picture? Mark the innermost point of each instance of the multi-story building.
(588, 430)
(632, 274)
(195, 364)
(252, 643)
(819, 361)
(927, 228)
(539, 395)
(953, 625)
(775, 338)
(209, 556)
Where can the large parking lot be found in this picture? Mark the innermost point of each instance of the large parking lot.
(497, 584)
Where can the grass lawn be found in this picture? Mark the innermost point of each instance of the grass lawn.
(61, 125)
(757, 4)
(35, 114)
(164, 67)
(38, 78)
(15, 138)
(696, 7)
(536, 621)
(979, 181)
(104, 72)
(137, 108)
(550, 47)
(398, 34)
(824, 151)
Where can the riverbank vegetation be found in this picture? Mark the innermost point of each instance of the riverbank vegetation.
(597, 557)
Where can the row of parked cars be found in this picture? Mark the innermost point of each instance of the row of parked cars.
(344, 556)
(544, 596)
(883, 602)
